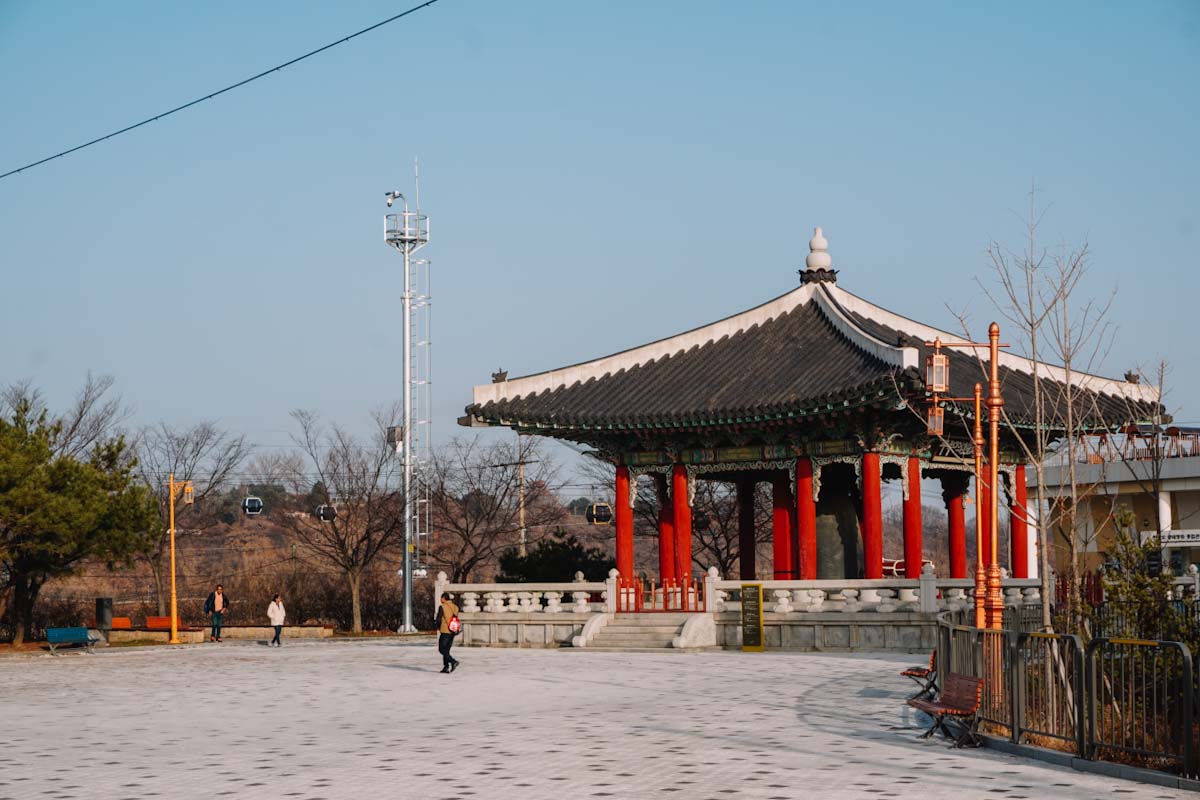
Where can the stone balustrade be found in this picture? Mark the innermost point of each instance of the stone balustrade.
(524, 598)
(928, 594)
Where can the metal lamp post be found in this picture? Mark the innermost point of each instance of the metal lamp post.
(407, 232)
(989, 596)
(173, 489)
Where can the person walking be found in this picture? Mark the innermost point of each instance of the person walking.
(215, 606)
(448, 627)
(276, 613)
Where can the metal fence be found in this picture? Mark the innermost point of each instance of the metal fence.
(1141, 702)
(1049, 687)
(1128, 700)
(1169, 619)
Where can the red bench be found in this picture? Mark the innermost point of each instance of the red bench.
(162, 623)
(958, 701)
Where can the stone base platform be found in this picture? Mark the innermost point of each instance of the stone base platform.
(895, 632)
(536, 629)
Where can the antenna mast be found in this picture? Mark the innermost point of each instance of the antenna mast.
(408, 232)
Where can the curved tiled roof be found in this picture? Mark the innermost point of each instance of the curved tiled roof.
(815, 349)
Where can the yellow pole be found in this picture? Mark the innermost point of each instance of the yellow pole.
(174, 606)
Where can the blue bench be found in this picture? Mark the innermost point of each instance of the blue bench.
(65, 637)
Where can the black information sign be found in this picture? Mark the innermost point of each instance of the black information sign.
(752, 617)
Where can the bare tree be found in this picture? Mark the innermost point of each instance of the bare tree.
(1039, 295)
(203, 454)
(475, 492)
(275, 468)
(360, 480)
(93, 417)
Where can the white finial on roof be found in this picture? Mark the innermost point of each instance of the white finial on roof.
(818, 257)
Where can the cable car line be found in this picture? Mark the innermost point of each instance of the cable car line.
(229, 88)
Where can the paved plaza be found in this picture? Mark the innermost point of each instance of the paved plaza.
(365, 720)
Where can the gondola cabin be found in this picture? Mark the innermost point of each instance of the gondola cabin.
(599, 514)
(326, 513)
(252, 506)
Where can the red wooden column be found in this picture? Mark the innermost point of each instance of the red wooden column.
(746, 537)
(912, 520)
(666, 532)
(1018, 529)
(683, 525)
(872, 516)
(953, 489)
(983, 521)
(624, 525)
(806, 519)
(781, 529)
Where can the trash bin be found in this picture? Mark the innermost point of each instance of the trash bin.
(104, 613)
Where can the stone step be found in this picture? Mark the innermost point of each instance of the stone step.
(622, 649)
(634, 630)
(650, 619)
(631, 641)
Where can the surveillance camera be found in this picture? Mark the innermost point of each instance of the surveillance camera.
(389, 201)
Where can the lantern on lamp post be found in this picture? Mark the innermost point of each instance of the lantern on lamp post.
(989, 607)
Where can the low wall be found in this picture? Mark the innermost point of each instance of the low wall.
(898, 632)
(185, 637)
(227, 632)
(536, 629)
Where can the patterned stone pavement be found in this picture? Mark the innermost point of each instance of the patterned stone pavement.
(363, 720)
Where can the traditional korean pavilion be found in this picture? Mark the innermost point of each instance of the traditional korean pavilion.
(818, 392)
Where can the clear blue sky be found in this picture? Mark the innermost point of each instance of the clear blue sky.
(598, 175)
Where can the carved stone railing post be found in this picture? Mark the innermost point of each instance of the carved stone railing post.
(553, 606)
(712, 597)
(439, 585)
(927, 591)
(610, 592)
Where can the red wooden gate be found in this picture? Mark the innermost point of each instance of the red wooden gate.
(637, 596)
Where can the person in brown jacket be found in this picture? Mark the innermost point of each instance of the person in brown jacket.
(447, 611)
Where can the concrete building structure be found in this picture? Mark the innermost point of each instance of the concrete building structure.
(1152, 472)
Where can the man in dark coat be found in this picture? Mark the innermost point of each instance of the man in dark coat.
(215, 606)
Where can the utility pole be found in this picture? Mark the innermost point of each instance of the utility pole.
(521, 508)
(522, 543)
(184, 487)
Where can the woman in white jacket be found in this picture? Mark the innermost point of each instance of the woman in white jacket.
(277, 614)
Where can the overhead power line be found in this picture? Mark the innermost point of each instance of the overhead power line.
(210, 96)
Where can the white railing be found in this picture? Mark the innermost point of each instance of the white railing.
(525, 598)
(928, 594)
